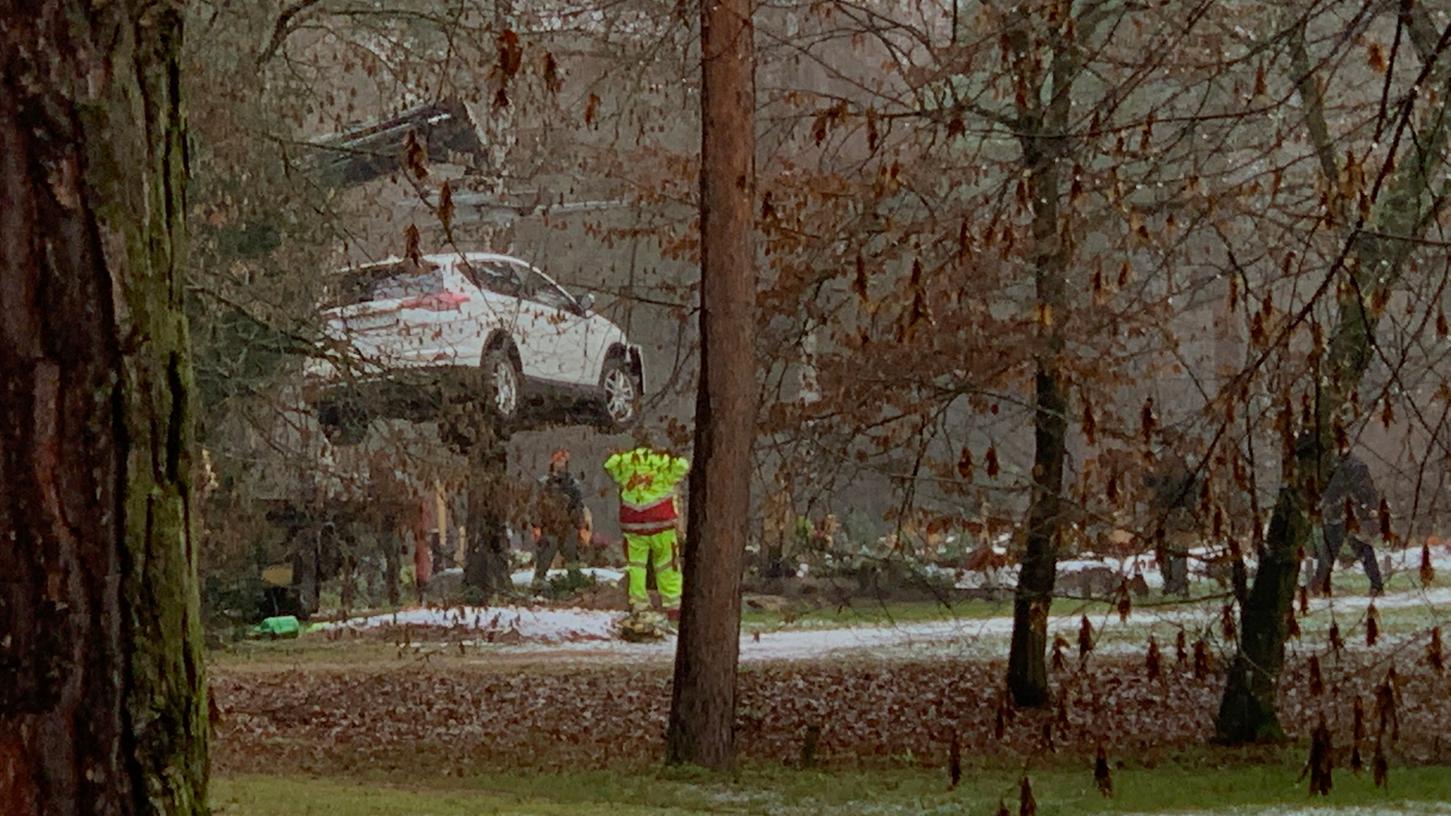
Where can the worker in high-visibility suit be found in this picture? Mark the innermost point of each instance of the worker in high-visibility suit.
(648, 518)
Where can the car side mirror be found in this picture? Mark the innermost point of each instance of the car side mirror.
(586, 301)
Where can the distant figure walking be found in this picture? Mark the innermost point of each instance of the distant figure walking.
(1350, 482)
(1176, 526)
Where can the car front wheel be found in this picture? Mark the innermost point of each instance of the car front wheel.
(485, 401)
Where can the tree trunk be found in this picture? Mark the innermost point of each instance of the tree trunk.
(703, 700)
(1376, 252)
(1043, 147)
(1027, 655)
(486, 568)
(1248, 712)
(102, 706)
(392, 565)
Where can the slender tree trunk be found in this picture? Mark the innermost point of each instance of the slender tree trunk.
(1044, 145)
(1027, 656)
(102, 702)
(703, 701)
(392, 565)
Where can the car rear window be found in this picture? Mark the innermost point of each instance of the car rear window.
(390, 282)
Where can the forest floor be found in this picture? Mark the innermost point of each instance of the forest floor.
(420, 718)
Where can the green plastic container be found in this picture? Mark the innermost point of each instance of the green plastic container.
(284, 626)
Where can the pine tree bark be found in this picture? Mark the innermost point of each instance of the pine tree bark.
(703, 699)
(102, 706)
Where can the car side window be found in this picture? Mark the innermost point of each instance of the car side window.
(495, 277)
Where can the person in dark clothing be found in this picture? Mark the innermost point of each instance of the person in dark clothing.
(1172, 500)
(561, 519)
(1350, 480)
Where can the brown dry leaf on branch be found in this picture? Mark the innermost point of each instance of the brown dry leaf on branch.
(1386, 713)
(1380, 768)
(1102, 776)
(415, 156)
(1201, 660)
(954, 761)
(1358, 717)
(1085, 639)
(1321, 764)
(1227, 623)
(445, 205)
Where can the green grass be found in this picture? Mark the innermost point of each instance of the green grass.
(1197, 784)
(867, 612)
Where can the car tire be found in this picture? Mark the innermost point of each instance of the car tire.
(488, 395)
(503, 383)
(343, 423)
(620, 395)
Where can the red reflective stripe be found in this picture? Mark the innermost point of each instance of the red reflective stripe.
(437, 301)
(652, 518)
(647, 529)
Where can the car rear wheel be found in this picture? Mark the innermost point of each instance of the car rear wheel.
(502, 382)
(621, 394)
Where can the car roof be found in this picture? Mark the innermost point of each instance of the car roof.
(442, 259)
(451, 258)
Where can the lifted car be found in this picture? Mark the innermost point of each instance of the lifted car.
(443, 336)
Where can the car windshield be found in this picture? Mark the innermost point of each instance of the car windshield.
(540, 290)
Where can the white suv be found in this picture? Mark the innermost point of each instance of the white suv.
(406, 339)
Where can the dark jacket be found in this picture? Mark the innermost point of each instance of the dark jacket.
(563, 489)
(1173, 494)
(1351, 479)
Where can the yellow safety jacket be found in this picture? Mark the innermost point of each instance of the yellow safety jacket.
(647, 481)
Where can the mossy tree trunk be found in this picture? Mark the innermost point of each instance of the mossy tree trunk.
(1375, 252)
(102, 705)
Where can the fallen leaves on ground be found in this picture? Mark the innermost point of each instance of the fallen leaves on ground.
(466, 715)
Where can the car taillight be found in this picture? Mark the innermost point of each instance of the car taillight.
(437, 301)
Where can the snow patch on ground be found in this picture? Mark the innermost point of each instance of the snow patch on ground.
(522, 623)
(1438, 597)
(603, 575)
